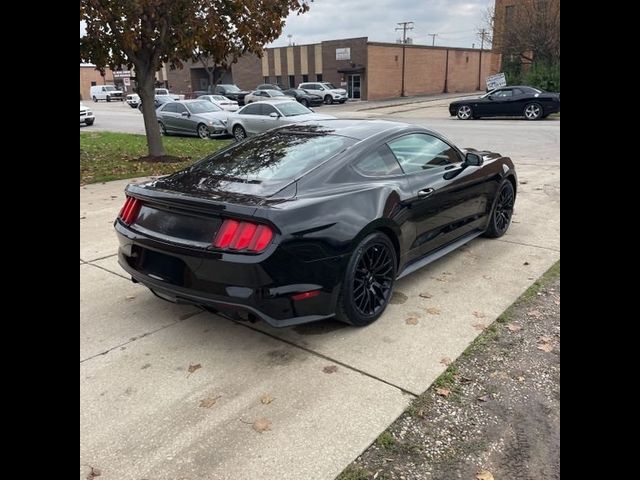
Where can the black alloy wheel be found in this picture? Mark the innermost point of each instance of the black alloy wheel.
(502, 211)
(369, 280)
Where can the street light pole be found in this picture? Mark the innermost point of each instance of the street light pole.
(482, 34)
(405, 27)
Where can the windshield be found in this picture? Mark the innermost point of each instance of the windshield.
(202, 107)
(276, 93)
(109, 88)
(291, 109)
(277, 156)
(229, 88)
(162, 91)
(329, 85)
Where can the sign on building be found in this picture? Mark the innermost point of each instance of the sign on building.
(126, 81)
(343, 54)
(496, 81)
(121, 73)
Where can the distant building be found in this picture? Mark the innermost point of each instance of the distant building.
(123, 79)
(367, 70)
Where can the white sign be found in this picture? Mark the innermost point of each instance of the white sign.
(343, 54)
(496, 81)
(121, 73)
(126, 81)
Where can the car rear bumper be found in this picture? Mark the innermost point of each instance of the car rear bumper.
(247, 287)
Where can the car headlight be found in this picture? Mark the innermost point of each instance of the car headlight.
(215, 122)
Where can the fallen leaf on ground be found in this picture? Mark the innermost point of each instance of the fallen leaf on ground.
(526, 263)
(484, 398)
(130, 297)
(209, 402)
(411, 321)
(479, 326)
(445, 360)
(192, 368)
(266, 399)
(534, 313)
(95, 472)
(82, 218)
(261, 425)
(557, 302)
(426, 295)
(514, 327)
(478, 314)
(545, 347)
(521, 379)
(545, 339)
(443, 392)
(486, 277)
(484, 475)
(433, 311)
(447, 273)
(330, 369)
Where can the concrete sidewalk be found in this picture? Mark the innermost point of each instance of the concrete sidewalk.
(170, 392)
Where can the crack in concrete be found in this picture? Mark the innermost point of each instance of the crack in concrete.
(100, 258)
(529, 245)
(110, 271)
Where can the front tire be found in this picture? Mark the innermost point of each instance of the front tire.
(464, 112)
(108, 98)
(304, 102)
(328, 99)
(89, 122)
(239, 133)
(203, 131)
(502, 211)
(533, 111)
(368, 281)
(95, 100)
(163, 130)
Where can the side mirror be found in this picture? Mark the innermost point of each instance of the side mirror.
(274, 115)
(185, 114)
(472, 160)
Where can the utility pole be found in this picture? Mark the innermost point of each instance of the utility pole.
(433, 38)
(405, 26)
(482, 34)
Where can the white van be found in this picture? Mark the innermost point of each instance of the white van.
(106, 92)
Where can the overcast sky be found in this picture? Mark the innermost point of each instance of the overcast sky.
(454, 21)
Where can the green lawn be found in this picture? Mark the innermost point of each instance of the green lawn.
(106, 156)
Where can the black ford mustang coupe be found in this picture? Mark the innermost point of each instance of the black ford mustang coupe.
(312, 220)
(515, 101)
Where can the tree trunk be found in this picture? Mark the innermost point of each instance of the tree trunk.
(146, 80)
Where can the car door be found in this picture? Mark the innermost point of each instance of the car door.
(501, 102)
(448, 200)
(183, 121)
(168, 116)
(518, 101)
(266, 121)
(250, 118)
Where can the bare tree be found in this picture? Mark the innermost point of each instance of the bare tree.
(488, 21)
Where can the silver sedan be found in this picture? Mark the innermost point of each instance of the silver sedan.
(192, 117)
(261, 116)
(259, 95)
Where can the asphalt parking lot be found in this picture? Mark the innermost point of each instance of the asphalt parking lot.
(171, 392)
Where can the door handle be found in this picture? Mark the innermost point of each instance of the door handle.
(425, 192)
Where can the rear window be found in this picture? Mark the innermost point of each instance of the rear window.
(203, 107)
(276, 156)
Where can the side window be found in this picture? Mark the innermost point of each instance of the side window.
(517, 91)
(251, 109)
(266, 109)
(170, 107)
(379, 162)
(104, 89)
(180, 108)
(418, 151)
(504, 93)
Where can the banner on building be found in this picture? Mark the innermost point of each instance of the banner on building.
(343, 54)
(496, 81)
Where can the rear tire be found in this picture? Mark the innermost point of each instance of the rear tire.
(108, 98)
(533, 111)
(95, 100)
(328, 99)
(304, 102)
(502, 212)
(368, 281)
(464, 112)
(239, 133)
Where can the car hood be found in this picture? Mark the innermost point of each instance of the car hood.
(341, 91)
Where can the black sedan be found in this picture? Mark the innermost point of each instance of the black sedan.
(516, 101)
(311, 221)
(305, 98)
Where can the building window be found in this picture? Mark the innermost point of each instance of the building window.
(266, 80)
(305, 78)
(292, 81)
(93, 84)
(278, 80)
(509, 12)
(318, 77)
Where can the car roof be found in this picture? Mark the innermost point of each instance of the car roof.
(354, 128)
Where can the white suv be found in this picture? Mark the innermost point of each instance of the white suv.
(326, 90)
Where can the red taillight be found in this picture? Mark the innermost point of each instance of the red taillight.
(247, 236)
(130, 210)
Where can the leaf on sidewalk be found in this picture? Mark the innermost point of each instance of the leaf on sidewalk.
(209, 401)
(261, 425)
(445, 360)
(478, 314)
(425, 295)
(193, 367)
(266, 399)
(433, 311)
(330, 369)
(443, 392)
(411, 321)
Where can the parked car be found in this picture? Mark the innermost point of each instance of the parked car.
(165, 92)
(232, 92)
(86, 115)
(326, 90)
(158, 101)
(221, 101)
(311, 221)
(133, 99)
(192, 117)
(105, 92)
(512, 101)
(269, 86)
(259, 95)
(305, 98)
(258, 117)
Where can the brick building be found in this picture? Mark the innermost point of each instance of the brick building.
(122, 79)
(367, 70)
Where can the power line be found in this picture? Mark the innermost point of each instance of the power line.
(405, 26)
(433, 38)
